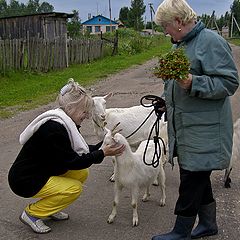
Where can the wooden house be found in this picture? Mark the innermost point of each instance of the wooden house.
(42, 25)
(98, 24)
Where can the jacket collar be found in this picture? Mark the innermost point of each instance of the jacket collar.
(192, 34)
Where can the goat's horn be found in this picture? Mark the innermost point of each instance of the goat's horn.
(116, 131)
(115, 126)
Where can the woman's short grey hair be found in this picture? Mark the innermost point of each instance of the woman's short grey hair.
(72, 96)
(169, 10)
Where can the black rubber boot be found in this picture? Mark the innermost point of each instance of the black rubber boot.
(207, 225)
(181, 231)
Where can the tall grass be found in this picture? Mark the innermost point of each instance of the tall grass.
(25, 90)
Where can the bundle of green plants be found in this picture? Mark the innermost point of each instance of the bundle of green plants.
(173, 65)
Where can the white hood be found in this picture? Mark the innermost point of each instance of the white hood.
(77, 141)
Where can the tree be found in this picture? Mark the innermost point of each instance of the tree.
(17, 9)
(235, 10)
(205, 18)
(3, 8)
(135, 19)
(74, 26)
(45, 7)
(32, 6)
(14, 8)
(123, 15)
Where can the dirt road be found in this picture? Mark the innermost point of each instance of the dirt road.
(88, 215)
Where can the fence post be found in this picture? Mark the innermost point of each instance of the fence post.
(66, 50)
(115, 44)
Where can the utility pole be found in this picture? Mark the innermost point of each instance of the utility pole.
(151, 11)
(232, 25)
(110, 14)
(212, 21)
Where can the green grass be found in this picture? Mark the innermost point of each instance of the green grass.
(235, 41)
(23, 90)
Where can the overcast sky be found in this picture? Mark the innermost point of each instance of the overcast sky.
(95, 7)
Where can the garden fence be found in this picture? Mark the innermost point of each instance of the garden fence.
(36, 54)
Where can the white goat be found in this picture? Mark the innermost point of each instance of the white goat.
(131, 118)
(235, 153)
(131, 172)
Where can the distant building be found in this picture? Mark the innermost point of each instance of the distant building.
(120, 24)
(98, 24)
(42, 25)
(225, 32)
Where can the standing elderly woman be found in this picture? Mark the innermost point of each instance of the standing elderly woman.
(53, 162)
(199, 117)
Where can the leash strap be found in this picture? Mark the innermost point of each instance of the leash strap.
(158, 104)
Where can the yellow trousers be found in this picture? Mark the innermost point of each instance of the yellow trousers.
(58, 193)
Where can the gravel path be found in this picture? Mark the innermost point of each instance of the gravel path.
(90, 212)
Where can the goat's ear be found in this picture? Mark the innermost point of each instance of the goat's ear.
(109, 95)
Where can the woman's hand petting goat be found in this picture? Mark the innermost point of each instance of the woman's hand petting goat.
(113, 150)
(54, 160)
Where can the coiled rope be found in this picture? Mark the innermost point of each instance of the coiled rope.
(158, 103)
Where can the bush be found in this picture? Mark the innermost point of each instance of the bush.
(132, 42)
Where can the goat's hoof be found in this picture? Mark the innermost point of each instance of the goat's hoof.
(110, 219)
(162, 203)
(145, 198)
(135, 222)
(155, 183)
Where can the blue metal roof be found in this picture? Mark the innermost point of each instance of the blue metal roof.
(99, 20)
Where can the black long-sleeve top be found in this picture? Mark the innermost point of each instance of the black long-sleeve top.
(47, 153)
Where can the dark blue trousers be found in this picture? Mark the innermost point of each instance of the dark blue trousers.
(195, 190)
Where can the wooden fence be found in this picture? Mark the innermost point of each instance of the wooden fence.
(42, 55)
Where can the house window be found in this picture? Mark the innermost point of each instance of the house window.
(108, 28)
(97, 28)
(89, 29)
(99, 19)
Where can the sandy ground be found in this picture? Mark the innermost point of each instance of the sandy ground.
(90, 212)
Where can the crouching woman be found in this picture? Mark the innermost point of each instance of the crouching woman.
(53, 162)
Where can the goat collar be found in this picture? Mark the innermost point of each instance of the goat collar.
(97, 123)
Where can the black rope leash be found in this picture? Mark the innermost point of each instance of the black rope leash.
(159, 105)
(141, 124)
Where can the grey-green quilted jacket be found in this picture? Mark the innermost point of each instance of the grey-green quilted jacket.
(200, 119)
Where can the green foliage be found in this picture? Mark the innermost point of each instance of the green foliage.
(235, 41)
(173, 65)
(132, 42)
(23, 90)
(123, 15)
(14, 8)
(74, 27)
(235, 10)
(135, 19)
